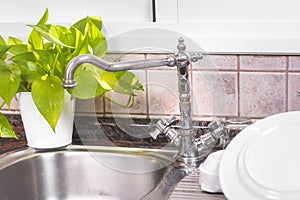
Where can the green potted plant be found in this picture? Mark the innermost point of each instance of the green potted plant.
(37, 68)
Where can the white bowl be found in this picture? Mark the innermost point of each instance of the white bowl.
(209, 173)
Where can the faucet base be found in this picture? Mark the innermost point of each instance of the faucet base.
(189, 164)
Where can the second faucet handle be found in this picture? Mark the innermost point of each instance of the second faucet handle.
(163, 125)
(195, 57)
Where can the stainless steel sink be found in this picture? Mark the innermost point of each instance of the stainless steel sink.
(81, 172)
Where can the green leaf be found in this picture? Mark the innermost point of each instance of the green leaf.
(48, 46)
(81, 25)
(6, 130)
(2, 41)
(97, 21)
(18, 49)
(3, 50)
(29, 73)
(17, 46)
(108, 80)
(96, 39)
(56, 34)
(31, 68)
(95, 71)
(128, 82)
(44, 59)
(98, 43)
(81, 44)
(48, 96)
(87, 86)
(3, 64)
(38, 60)
(123, 82)
(9, 81)
(45, 17)
(14, 41)
(90, 27)
(59, 63)
(24, 57)
(35, 40)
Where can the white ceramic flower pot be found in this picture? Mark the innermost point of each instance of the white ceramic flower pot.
(38, 132)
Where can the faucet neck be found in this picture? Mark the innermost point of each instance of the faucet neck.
(187, 141)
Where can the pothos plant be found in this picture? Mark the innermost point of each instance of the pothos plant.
(38, 67)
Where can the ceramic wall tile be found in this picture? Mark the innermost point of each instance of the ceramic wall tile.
(162, 92)
(265, 63)
(14, 105)
(123, 57)
(262, 94)
(95, 105)
(294, 63)
(216, 62)
(216, 87)
(293, 87)
(215, 93)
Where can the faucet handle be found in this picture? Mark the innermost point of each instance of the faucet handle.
(216, 129)
(194, 57)
(163, 125)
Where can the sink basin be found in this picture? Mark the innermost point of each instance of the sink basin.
(81, 172)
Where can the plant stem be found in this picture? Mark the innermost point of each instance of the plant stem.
(2, 104)
(129, 103)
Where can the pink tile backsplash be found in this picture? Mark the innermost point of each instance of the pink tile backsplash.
(14, 105)
(123, 57)
(90, 105)
(223, 85)
(216, 62)
(262, 94)
(215, 93)
(294, 63)
(293, 87)
(266, 63)
(162, 92)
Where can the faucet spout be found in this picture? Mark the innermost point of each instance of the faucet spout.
(69, 81)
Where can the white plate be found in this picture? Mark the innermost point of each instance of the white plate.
(263, 160)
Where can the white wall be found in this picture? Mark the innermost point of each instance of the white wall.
(218, 26)
(238, 10)
(66, 11)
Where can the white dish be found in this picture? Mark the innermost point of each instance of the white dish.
(263, 161)
(209, 173)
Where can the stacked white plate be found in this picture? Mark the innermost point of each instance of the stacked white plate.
(263, 161)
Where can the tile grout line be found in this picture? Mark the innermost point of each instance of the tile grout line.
(104, 107)
(147, 90)
(287, 62)
(238, 84)
(191, 70)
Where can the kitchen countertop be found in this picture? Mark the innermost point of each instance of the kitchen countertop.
(104, 131)
(92, 131)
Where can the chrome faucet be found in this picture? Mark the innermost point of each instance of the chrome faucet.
(190, 151)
